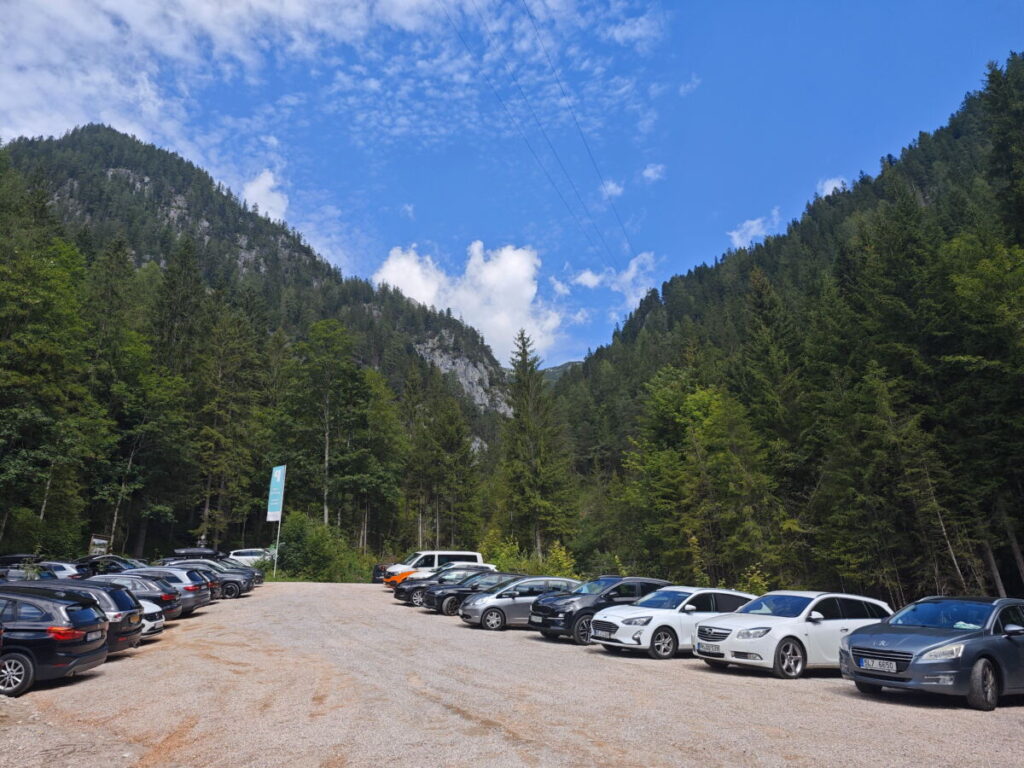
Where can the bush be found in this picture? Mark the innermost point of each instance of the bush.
(313, 551)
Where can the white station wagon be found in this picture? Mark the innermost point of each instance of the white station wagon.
(786, 632)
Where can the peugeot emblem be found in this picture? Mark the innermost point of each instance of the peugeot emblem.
(881, 644)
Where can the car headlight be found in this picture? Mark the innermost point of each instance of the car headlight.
(752, 634)
(639, 621)
(945, 652)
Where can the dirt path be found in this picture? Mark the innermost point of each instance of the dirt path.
(342, 675)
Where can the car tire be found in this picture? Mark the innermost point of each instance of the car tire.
(450, 606)
(416, 598)
(581, 630)
(230, 591)
(663, 644)
(790, 659)
(869, 688)
(549, 635)
(983, 688)
(17, 672)
(492, 619)
(719, 665)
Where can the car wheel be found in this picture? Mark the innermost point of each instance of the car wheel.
(230, 591)
(450, 606)
(493, 619)
(581, 630)
(663, 644)
(790, 659)
(549, 635)
(416, 598)
(983, 690)
(716, 664)
(16, 674)
(869, 688)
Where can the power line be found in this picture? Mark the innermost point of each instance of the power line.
(522, 133)
(543, 132)
(579, 128)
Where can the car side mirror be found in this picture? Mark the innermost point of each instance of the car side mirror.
(690, 608)
(1013, 630)
(816, 616)
(512, 593)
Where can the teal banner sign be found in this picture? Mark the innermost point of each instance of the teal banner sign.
(275, 499)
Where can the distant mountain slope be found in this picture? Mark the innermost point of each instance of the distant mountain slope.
(105, 183)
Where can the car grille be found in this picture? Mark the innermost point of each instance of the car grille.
(902, 658)
(605, 626)
(543, 610)
(713, 634)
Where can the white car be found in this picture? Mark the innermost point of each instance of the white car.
(250, 557)
(432, 572)
(425, 560)
(661, 622)
(152, 619)
(786, 632)
(63, 570)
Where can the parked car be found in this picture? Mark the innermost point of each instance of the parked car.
(412, 591)
(958, 646)
(433, 572)
(508, 604)
(257, 573)
(251, 556)
(661, 622)
(190, 586)
(122, 609)
(108, 563)
(65, 570)
(150, 588)
(233, 582)
(152, 619)
(47, 634)
(570, 613)
(786, 632)
(212, 582)
(446, 598)
(423, 560)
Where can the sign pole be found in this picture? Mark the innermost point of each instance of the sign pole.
(275, 505)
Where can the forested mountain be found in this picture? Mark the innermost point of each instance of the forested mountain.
(840, 406)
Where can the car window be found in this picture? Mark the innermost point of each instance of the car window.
(854, 609)
(649, 586)
(445, 559)
(704, 602)
(7, 610)
(629, 589)
(726, 603)
(829, 608)
(1011, 615)
(427, 561)
(29, 612)
(531, 588)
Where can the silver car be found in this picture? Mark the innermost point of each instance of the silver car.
(189, 585)
(508, 604)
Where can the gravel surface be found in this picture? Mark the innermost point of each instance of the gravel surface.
(343, 675)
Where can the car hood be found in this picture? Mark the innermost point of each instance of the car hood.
(561, 598)
(910, 639)
(744, 620)
(620, 612)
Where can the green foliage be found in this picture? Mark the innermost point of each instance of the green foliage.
(313, 551)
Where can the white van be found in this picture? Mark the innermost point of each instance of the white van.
(428, 559)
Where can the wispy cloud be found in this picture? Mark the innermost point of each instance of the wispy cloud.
(755, 229)
(610, 189)
(653, 172)
(408, 211)
(827, 186)
(264, 191)
(690, 85)
(633, 282)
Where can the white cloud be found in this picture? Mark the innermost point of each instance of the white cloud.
(496, 292)
(827, 186)
(653, 172)
(263, 191)
(589, 279)
(690, 85)
(560, 288)
(633, 282)
(409, 211)
(610, 189)
(580, 317)
(754, 229)
(640, 32)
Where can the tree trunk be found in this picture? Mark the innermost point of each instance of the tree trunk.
(1011, 536)
(986, 548)
(121, 493)
(140, 537)
(327, 459)
(46, 493)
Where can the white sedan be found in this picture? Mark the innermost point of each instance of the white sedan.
(786, 632)
(662, 621)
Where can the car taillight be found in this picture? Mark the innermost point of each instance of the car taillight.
(167, 598)
(116, 616)
(65, 633)
(192, 588)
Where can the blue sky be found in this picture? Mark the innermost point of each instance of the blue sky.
(430, 144)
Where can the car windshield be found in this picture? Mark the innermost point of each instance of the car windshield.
(596, 586)
(500, 585)
(667, 599)
(962, 615)
(410, 558)
(453, 577)
(785, 606)
(484, 579)
(231, 561)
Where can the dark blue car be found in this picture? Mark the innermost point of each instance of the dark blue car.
(959, 646)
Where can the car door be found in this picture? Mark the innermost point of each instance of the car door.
(517, 610)
(1011, 648)
(823, 636)
(621, 594)
(703, 607)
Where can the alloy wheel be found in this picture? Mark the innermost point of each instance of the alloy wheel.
(492, 619)
(12, 675)
(581, 630)
(417, 598)
(664, 644)
(792, 658)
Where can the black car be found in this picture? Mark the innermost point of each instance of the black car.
(224, 559)
(410, 591)
(570, 613)
(150, 588)
(959, 646)
(123, 611)
(446, 598)
(234, 582)
(47, 634)
(191, 586)
(95, 564)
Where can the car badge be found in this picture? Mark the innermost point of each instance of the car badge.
(881, 644)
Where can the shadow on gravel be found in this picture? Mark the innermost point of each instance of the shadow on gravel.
(736, 671)
(895, 697)
(66, 683)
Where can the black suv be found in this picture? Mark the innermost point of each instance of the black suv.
(570, 613)
(123, 611)
(47, 634)
(150, 588)
(446, 598)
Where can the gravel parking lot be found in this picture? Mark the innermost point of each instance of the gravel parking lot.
(343, 675)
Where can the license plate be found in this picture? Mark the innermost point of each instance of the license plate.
(96, 635)
(709, 648)
(535, 619)
(601, 633)
(879, 665)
